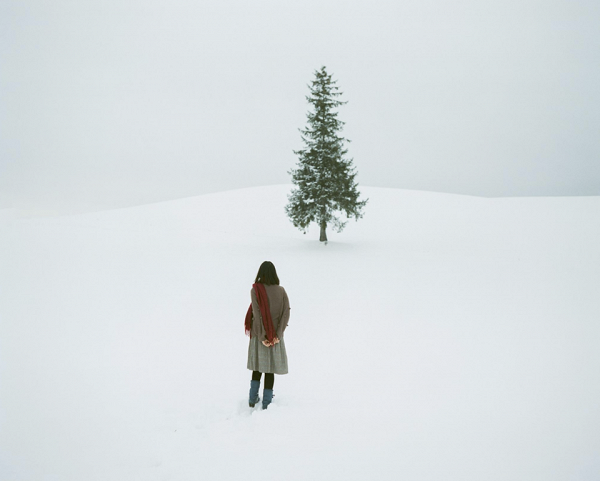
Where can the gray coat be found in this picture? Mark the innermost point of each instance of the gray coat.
(271, 359)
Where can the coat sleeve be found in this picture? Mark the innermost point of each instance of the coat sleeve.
(285, 316)
(258, 328)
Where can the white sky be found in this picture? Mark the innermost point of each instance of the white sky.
(110, 103)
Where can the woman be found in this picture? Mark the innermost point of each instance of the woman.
(266, 320)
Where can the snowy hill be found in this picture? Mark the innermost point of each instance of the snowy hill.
(442, 337)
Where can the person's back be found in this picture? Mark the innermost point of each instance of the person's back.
(279, 307)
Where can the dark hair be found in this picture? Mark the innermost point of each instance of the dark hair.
(267, 274)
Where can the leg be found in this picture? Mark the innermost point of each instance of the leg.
(268, 391)
(269, 380)
(254, 387)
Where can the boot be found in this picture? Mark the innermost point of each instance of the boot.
(253, 399)
(267, 397)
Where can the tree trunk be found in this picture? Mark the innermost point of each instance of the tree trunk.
(323, 237)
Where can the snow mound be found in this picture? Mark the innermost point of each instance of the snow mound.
(442, 337)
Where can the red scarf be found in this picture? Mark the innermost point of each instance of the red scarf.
(265, 312)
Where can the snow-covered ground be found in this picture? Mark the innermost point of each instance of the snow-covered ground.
(442, 337)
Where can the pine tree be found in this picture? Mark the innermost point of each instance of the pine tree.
(324, 178)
